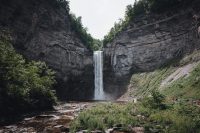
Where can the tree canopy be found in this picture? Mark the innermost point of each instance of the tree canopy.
(77, 26)
(81, 31)
(24, 85)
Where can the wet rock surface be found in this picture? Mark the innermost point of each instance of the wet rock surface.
(56, 121)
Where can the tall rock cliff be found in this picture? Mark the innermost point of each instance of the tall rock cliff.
(149, 42)
(41, 30)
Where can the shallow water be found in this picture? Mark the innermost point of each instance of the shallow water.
(56, 121)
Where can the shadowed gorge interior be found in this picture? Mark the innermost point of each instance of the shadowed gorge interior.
(143, 76)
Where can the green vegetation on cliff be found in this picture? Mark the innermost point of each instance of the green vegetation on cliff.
(86, 38)
(77, 26)
(185, 86)
(24, 86)
(145, 7)
(146, 82)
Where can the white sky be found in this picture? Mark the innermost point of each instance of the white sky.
(99, 15)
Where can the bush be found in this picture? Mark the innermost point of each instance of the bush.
(180, 118)
(103, 117)
(156, 101)
(24, 85)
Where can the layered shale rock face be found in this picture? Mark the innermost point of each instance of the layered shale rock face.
(42, 30)
(149, 42)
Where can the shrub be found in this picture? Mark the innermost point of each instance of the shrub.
(180, 118)
(24, 85)
(103, 117)
(156, 101)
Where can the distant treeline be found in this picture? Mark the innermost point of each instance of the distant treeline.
(77, 26)
(145, 7)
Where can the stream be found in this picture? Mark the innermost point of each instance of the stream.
(56, 121)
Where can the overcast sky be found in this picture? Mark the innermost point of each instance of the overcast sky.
(99, 15)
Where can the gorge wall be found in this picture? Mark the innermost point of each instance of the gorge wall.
(42, 31)
(149, 42)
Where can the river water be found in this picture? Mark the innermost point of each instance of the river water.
(56, 121)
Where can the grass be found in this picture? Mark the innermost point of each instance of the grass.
(186, 87)
(104, 116)
(194, 57)
(157, 114)
(177, 118)
(148, 81)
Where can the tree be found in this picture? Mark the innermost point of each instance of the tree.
(156, 101)
(86, 38)
(24, 85)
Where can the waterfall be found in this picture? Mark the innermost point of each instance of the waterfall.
(98, 72)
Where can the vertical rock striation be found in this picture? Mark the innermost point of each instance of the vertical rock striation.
(42, 31)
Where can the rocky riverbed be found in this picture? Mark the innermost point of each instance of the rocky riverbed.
(58, 120)
(55, 121)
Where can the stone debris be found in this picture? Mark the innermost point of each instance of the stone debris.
(138, 130)
(56, 121)
(109, 130)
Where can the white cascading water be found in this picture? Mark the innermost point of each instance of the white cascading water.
(98, 72)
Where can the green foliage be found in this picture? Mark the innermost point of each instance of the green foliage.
(97, 44)
(104, 116)
(179, 118)
(24, 85)
(186, 87)
(182, 118)
(139, 7)
(148, 81)
(118, 27)
(77, 26)
(142, 7)
(86, 38)
(156, 101)
(193, 57)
